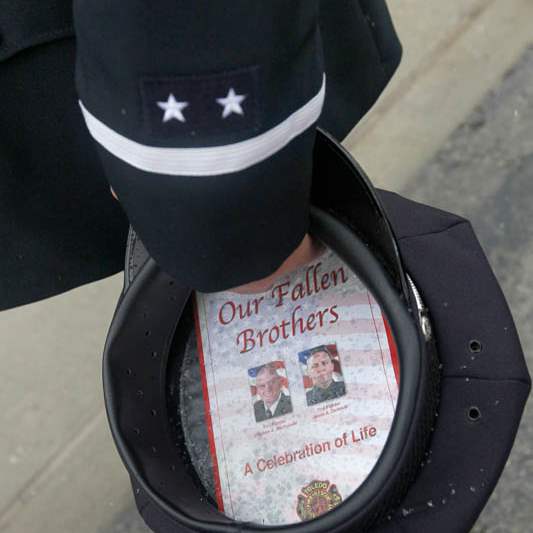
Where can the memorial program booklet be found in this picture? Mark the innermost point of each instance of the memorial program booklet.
(300, 386)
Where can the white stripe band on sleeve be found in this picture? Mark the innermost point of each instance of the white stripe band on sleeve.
(206, 161)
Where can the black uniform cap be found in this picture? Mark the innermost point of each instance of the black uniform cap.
(477, 373)
(204, 118)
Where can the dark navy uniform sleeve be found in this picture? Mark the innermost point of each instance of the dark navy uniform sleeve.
(204, 117)
(60, 228)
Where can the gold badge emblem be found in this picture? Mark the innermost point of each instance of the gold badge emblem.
(317, 498)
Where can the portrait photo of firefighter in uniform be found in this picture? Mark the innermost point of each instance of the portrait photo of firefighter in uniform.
(322, 374)
(270, 391)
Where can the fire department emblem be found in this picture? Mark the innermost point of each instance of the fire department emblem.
(317, 498)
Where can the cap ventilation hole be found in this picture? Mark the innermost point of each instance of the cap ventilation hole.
(475, 346)
(474, 414)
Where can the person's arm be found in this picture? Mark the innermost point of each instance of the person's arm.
(203, 114)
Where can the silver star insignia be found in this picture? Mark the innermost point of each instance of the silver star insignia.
(232, 103)
(173, 109)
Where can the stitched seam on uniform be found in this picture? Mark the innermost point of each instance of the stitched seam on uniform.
(451, 226)
(373, 32)
(12, 48)
(37, 38)
(474, 378)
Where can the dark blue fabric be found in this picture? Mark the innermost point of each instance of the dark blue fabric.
(483, 393)
(467, 455)
(59, 226)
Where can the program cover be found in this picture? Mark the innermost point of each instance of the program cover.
(300, 385)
